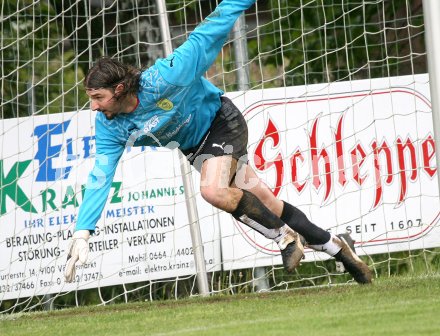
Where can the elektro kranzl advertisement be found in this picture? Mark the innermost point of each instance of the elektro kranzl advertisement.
(143, 233)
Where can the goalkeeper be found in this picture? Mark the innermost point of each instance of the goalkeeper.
(171, 104)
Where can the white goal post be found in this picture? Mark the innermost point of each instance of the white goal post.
(340, 111)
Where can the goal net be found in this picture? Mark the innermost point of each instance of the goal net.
(336, 96)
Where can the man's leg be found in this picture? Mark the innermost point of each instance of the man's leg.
(247, 179)
(317, 238)
(336, 246)
(217, 189)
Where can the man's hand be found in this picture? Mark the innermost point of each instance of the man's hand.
(78, 250)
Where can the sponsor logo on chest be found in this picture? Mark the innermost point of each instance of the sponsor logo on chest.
(151, 123)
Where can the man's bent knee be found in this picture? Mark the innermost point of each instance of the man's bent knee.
(222, 198)
(213, 195)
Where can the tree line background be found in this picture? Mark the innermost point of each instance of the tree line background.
(47, 46)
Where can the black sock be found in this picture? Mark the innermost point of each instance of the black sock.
(298, 221)
(251, 207)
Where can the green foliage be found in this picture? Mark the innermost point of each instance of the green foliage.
(322, 41)
(47, 46)
(38, 73)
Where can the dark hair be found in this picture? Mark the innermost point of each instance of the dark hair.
(107, 73)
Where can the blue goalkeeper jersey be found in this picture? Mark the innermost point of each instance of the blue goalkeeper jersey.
(176, 105)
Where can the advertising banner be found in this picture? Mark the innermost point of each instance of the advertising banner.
(143, 233)
(355, 157)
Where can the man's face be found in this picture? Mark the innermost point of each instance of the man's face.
(103, 100)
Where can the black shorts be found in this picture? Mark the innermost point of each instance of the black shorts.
(228, 135)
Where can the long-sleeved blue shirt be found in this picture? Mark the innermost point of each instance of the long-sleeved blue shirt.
(176, 104)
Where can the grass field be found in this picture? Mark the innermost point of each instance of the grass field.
(392, 306)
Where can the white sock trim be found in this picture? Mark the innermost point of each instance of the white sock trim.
(274, 234)
(331, 248)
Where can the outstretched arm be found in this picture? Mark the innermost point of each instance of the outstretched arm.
(108, 153)
(194, 57)
(98, 186)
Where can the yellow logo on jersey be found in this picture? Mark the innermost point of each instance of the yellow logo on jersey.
(165, 104)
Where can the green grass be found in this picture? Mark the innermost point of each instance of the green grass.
(392, 306)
